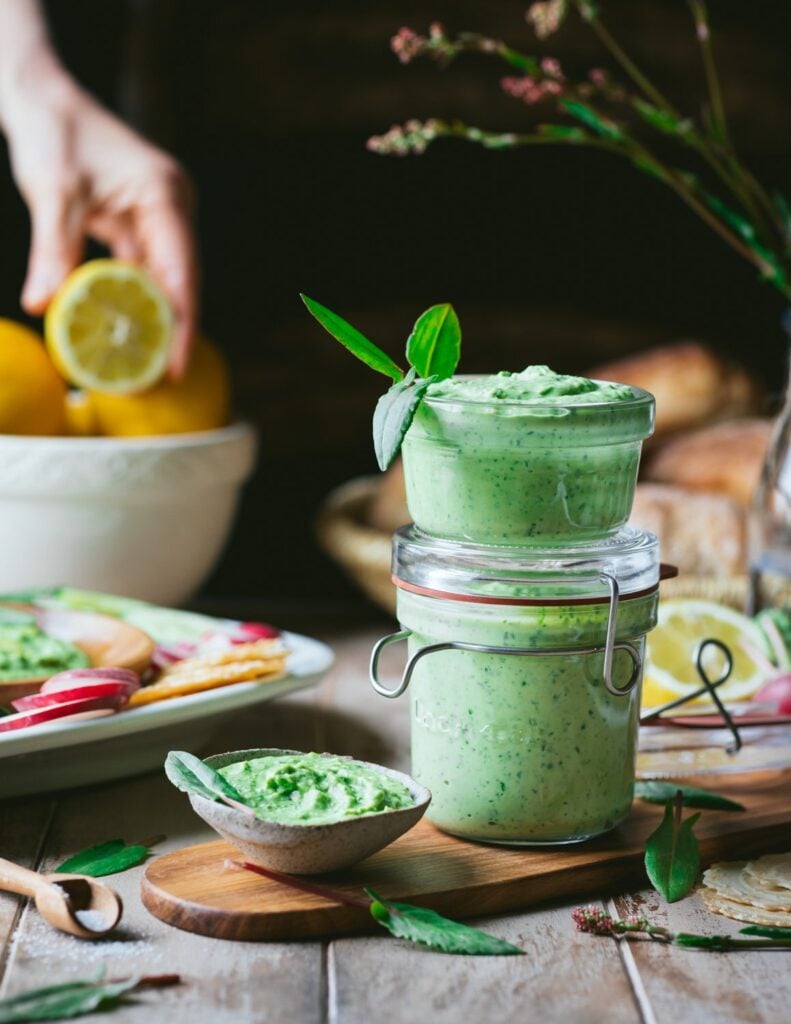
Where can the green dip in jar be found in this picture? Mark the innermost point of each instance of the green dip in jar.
(525, 748)
(525, 458)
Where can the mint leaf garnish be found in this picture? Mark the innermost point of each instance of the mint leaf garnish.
(393, 416)
(352, 339)
(660, 792)
(191, 775)
(672, 857)
(434, 346)
(428, 928)
(104, 859)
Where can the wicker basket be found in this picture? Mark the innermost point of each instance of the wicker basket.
(364, 553)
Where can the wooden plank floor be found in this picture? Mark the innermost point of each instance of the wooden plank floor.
(566, 977)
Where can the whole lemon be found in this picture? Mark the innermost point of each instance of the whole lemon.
(199, 401)
(31, 392)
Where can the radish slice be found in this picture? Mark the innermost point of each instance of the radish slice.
(88, 707)
(777, 691)
(74, 676)
(250, 631)
(87, 691)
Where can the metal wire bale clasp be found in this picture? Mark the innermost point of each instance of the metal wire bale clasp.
(609, 648)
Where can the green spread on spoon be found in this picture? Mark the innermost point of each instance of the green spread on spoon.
(27, 651)
(314, 789)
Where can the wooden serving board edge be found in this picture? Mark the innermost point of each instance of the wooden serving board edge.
(610, 877)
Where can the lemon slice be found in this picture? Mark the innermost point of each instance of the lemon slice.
(109, 327)
(670, 652)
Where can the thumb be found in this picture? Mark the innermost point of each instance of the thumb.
(56, 245)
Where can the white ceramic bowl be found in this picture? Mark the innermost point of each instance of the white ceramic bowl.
(145, 517)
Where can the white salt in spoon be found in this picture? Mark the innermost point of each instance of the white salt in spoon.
(75, 904)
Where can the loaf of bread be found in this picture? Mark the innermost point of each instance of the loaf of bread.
(703, 534)
(723, 459)
(693, 386)
(388, 510)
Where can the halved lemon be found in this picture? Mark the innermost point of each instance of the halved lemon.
(670, 670)
(109, 328)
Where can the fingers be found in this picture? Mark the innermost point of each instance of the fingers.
(57, 241)
(165, 235)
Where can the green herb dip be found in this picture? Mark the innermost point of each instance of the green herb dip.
(314, 789)
(525, 458)
(523, 749)
(27, 652)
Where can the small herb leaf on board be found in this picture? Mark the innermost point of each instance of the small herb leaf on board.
(353, 340)
(393, 416)
(104, 859)
(672, 857)
(428, 928)
(660, 792)
(434, 346)
(191, 775)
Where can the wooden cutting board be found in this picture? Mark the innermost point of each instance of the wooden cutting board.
(193, 890)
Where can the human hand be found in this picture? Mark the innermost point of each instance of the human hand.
(82, 172)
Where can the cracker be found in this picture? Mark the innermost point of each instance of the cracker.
(741, 912)
(731, 881)
(207, 678)
(772, 871)
(259, 650)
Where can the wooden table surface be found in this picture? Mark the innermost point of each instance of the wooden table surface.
(565, 976)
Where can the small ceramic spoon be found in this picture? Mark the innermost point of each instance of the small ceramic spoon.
(75, 904)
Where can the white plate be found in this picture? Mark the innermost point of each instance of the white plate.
(38, 759)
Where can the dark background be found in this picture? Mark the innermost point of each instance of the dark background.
(552, 255)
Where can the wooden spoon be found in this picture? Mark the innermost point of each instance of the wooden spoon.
(75, 904)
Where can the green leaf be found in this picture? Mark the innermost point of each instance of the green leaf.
(428, 928)
(104, 859)
(602, 126)
(191, 775)
(60, 1002)
(562, 131)
(393, 416)
(351, 338)
(766, 931)
(672, 857)
(691, 796)
(434, 345)
(663, 120)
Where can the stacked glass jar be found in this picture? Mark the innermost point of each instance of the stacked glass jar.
(525, 602)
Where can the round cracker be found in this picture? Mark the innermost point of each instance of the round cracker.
(773, 871)
(741, 912)
(729, 880)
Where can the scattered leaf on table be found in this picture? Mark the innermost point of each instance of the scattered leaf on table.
(428, 928)
(660, 792)
(104, 859)
(672, 856)
(767, 931)
(60, 1002)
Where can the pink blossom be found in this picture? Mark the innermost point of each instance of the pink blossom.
(407, 44)
(529, 90)
(598, 76)
(551, 67)
(593, 920)
(545, 17)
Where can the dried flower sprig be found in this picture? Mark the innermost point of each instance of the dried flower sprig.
(595, 921)
(753, 224)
